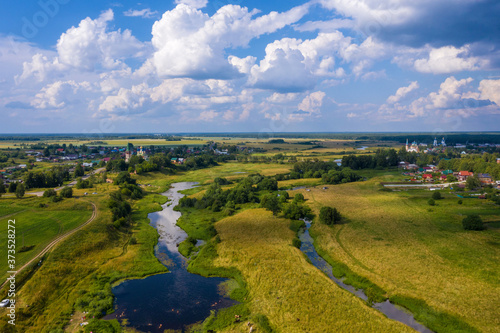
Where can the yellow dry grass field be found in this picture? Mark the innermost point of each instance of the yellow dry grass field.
(292, 293)
(395, 240)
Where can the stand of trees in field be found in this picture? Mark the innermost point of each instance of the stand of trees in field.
(52, 178)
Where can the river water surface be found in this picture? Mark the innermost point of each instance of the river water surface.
(175, 299)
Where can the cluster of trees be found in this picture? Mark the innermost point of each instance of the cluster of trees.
(66, 192)
(217, 199)
(52, 178)
(382, 159)
(17, 188)
(120, 208)
(345, 175)
(295, 210)
(329, 172)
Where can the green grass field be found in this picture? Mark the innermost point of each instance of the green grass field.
(410, 249)
(36, 226)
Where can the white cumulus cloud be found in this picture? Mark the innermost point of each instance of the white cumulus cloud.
(402, 92)
(449, 59)
(190, 43)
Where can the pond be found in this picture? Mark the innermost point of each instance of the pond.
(173, 300)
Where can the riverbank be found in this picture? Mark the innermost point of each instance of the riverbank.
(177, 299)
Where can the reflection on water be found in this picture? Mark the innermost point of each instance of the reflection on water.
(387, 308)
(172, 300)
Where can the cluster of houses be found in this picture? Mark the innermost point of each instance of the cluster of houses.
(431, 174)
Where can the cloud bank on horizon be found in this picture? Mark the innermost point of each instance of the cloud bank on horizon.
(322, 65)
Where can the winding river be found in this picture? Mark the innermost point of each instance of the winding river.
(390, 310)
(173, 300)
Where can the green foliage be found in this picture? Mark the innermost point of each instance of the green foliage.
(133, 241)
(52, 178)
(187, 246)
(49, 193)
(460, 201)
(20, 191)
(299, 198)
(116, 165)
(226, 317)
(296, 225)
(431, 202)
(83, 183)
(121, 222)
(346, 175)
(383, 158)
(472, 183)
(272, 203)
(78, 171)
(56, 198)
(296, 242)
(296, 211)
(119, 207)
(437, 195)
(329, 215)
(268, 184)
(66, 192)
(221, 181)
(103, 326)
(12, 187)
(124, 177)
(473, 222)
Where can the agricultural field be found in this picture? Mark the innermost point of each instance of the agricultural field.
(416, 251)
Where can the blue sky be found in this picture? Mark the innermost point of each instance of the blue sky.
(261, 66)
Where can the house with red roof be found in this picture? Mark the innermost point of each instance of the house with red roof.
(427, 176)
(463, 175)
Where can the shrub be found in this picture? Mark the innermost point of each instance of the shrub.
(437, 195)
(299, 197)
(431, 202)
(56, 198)
(296, 242)
(49, 193)
(460, 201)
(133, 241)
(66, 192)
(329, 215)
(473, 222)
